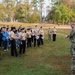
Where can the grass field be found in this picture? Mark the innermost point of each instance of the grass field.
(53, 58)
(29, 24)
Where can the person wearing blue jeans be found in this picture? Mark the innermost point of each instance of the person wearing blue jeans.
(8, 41)
(5, 39)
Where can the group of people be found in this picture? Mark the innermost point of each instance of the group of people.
(52, 34)
(20, 38)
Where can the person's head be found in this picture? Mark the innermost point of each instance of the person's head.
(13, 29)
(7, 26)
(41, 27)
(28, 29)
(2, 29)
(5, 29)
(73, 25)
(8, 29)
(22, 30)
(36, 26)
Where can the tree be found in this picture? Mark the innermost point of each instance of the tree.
(23, 11)
(34, 17)
(2, 12)
(10, 6)
(26, 13)
(61, 13)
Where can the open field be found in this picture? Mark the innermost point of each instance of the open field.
(53, 58)
(30, 24)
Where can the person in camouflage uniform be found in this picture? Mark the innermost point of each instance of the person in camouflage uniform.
(71, 37)
(49, 34)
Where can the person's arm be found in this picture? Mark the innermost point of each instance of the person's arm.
(71, 34)
(7, 35)
(43, 33)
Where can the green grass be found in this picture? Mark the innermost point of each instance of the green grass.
(53, 58)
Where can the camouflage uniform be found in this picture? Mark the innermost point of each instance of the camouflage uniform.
(49, 34)
(72, 49)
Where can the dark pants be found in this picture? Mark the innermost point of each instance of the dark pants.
(32, 39)
(29, 42)
(9, 43)
(38, 42)
(41, 40)
(35, 41)
(54, 37)
(0, 53)
(0, 42)
(13, 48)
(22, 47)
(5, 44)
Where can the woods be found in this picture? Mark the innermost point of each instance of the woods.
(60, 11)
(13, 10)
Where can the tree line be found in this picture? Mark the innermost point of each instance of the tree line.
(63, 11)
(18, 10)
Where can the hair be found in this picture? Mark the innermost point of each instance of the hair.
(22, 29)
(41, 27)
(28, 29)
(7, 29)
(35, 25)
(15, 31)
(12, 28)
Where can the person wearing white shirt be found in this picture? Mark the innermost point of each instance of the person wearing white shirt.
(23, 37)
(13, 42)
(29, 37)
(41, 32)
(36, 29)
(54, 34)
(32, 37)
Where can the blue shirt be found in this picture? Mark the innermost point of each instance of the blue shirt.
(5, 35)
